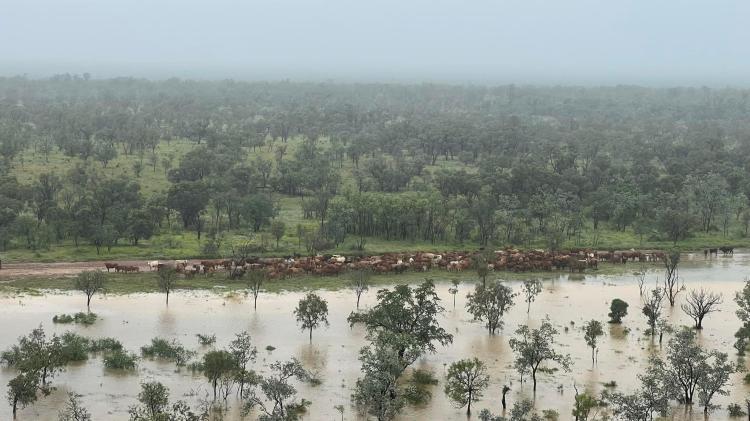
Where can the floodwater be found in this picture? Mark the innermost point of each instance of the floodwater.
(569, 300)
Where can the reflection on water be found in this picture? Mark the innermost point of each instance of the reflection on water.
(135, 319)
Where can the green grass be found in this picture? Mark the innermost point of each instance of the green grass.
(146, 282)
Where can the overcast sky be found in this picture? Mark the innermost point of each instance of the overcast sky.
(653, 42)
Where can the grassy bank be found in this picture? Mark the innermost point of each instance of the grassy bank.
(146, 282)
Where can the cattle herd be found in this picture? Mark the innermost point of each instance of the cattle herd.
(501, 260)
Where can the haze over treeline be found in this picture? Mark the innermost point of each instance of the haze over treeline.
(573, 42)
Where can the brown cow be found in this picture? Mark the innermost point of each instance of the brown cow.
(110, 265)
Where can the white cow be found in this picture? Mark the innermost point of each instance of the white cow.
(154, 264)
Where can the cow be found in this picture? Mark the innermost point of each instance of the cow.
(726, 250)
(110, 265)
(128, 269)
(153, 265)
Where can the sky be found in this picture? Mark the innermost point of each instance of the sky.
(582, 42)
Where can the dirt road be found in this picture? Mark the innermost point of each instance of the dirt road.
(35, 270)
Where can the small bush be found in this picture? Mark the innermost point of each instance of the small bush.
(105, 345)
(206, 340)
(81, 318)
(74, 347)
(270, 348)
(550, 415)
(173, 351)
(120, 360)
(735, 410)
(610, 384)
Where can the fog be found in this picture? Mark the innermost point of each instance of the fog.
(675, 42)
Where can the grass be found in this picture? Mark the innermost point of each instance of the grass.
(147, 282)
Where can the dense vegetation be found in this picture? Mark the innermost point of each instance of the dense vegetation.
(143, 168)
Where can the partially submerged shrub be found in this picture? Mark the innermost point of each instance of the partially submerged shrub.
(105, 344)
(206, 340)
(168, 350)
(82, 318)
(120, 360)
(74, 347)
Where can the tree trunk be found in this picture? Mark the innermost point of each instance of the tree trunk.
(167, 298)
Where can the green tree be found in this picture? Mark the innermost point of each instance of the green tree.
(617, 310)
(490, 304)
(216, 365)
(90, 282)
(536, 346)
(360, 283)
(531, 288)
(652, 307)
(311, 312)
(274, 396)
(74, 410)
(22, 391)
(167, 280)
(278, 228)
(592, 330)
(255, 281)
(454, 290)
(465, 382)
(154, 399)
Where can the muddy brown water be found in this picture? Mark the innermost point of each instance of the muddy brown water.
(137, 318)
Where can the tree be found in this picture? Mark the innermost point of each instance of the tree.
(274, 396)
(73, 410)
(651, 398)
(465, 382)
(243, 352)
(255, 280)
(688, 367)
(278, 228)
(531, 288)
(360, 283)
(490, 304)
(218, 364)
(671, 278)
(22, 391)
(406, 319)
(167, 280)
(154, 396)
(652, 308)
(189, 198)
(536, 346)
(714, 378)
(378, 391)
(454, 290)
(699, 304)
(311, 312)
(742, 299)
(592, 330)
(583, 405)
(90, 282)
(617, 310)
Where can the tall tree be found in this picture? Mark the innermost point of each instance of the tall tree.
(533, 347)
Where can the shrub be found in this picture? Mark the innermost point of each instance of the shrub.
(74, 347)
(206, 340)
(105, 344)
(735, 410)
(120, 360)
(168, 350)
(82, 318)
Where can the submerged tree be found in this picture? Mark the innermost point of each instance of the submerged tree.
(617, 310)
(273, 394)
(671, 277)
(592, 330)
(533, 347)
(90, 282)
(652, 308)
(699, 304)
(454, 290)
(167, 280)
(73, 410)
(490, 304)
(466, 381)
(531, 288)
(255, 280)
(22, 391)
(311, 312)
(360, 283)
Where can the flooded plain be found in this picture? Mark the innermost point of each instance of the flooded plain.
(569, 300)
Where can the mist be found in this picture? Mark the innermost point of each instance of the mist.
(583, 42)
